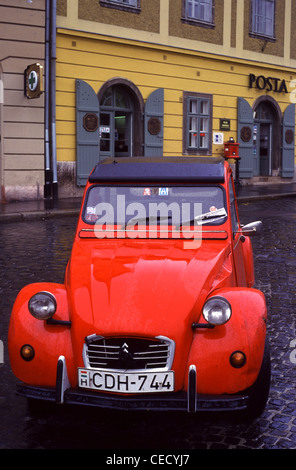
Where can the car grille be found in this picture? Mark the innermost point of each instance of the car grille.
(128, 353)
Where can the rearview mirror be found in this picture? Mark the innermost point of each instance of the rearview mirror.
(254, 228)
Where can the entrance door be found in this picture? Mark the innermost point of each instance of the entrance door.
(116, 114)
(265, 124)
(115, 134)
(123, 134)
(265, 149)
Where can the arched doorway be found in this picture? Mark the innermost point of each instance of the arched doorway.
(121, 129)
(267, 137)
(118, 116)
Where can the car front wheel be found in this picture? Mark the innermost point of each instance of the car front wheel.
(259, 391)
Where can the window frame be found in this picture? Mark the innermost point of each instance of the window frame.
(120, 5)
(158, 205)
(260, 34)
(198, 21)
(187, 115)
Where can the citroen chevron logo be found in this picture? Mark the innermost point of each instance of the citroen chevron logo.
(124, 351)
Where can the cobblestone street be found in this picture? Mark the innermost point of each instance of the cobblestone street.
(38, 250)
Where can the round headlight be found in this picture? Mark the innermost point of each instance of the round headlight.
(217, 311)
(42, 305)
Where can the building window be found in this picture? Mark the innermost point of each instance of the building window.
(133, 6)
(197, 123)
(198, 12)
(263, 18)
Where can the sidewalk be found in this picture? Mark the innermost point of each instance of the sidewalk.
(42, 209)
(265, 191)
(39, 209)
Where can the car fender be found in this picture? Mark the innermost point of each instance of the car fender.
(48, 340)
(248, 261)
(212, 347)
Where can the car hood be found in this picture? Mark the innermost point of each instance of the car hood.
(138, 287)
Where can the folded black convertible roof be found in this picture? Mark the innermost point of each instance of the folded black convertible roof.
(159, 170)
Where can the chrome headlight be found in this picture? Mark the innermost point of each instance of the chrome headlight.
(217, 311)
(42, 305)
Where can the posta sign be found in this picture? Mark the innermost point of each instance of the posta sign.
(267, 83)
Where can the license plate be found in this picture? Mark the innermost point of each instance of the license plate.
(131, 382)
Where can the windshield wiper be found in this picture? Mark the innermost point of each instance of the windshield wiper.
(204, 218)
(211, 215)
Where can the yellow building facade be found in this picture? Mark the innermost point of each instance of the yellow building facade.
(147, 77)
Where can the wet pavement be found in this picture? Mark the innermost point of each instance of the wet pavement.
(36, 248)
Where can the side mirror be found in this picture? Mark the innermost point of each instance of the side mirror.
(254, 228)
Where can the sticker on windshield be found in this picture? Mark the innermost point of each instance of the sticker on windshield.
(91, 215)
(91, 210)
(163, 191)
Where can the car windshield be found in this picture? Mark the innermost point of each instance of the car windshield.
(174, 206)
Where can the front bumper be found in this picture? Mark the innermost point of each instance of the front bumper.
(170, 402)
(175, 401)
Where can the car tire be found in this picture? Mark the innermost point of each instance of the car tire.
(259, 391)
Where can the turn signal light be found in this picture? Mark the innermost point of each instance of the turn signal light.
(237, 359)
(27, 352)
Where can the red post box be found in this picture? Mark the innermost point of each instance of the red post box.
(231, 150)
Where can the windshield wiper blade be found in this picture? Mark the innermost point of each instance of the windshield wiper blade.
(211, 215)
(204, 218)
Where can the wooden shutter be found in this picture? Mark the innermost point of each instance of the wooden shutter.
(87, 131)
(288, 144)
(153, 124)
(245, 128)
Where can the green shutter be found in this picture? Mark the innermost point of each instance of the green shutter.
(245, 128)
(153, 124)
(288, 144)
(87, 131)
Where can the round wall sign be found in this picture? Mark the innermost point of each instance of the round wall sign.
(154, 126)
(289, 136)
(246, 133)
(90, 122)
(34, 81)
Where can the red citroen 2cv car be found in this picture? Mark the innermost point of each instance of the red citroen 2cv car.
(157, 310)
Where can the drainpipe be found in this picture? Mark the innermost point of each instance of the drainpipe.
(48, 173)
(53, 99)
(51, 183)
